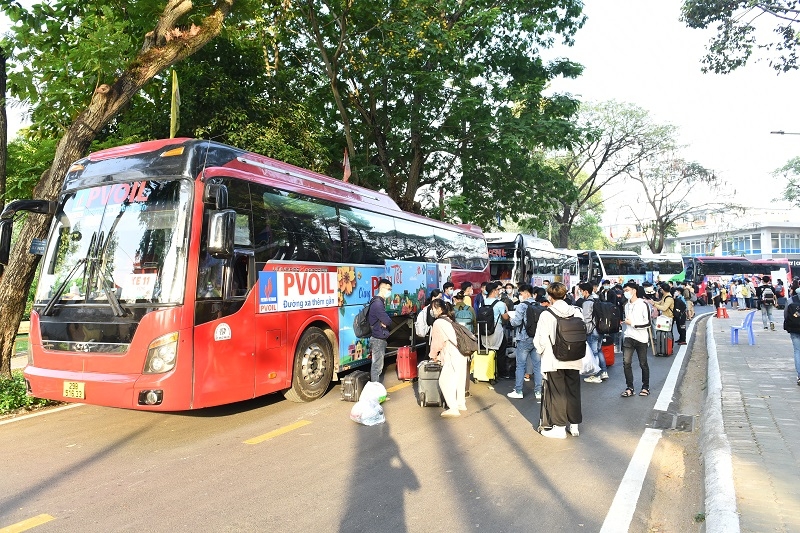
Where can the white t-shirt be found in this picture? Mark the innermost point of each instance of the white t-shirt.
(639, 314)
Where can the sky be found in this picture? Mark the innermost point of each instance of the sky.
(638, 51)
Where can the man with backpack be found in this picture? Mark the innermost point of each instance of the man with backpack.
(380, 321)
(555, 333)
(637, 322)
(587, 303)
(680, 304)
(768, 300)
(791, 323)
(524, 323)
(489, 317)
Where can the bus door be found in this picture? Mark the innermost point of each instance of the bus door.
(224, 340)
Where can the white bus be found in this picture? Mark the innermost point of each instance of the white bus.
(520, 257)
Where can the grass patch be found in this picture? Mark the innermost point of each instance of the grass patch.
(700, 517)
(13, 396)
(21, 345)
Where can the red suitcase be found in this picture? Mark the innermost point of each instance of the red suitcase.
(406, 364)
(608, 353)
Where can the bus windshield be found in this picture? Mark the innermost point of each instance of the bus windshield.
(125, 242)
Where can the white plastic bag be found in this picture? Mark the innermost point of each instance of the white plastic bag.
(368, 413)
(373, 391)
(589, 363)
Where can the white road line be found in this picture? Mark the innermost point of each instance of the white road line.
(620, 514)
(40, 413)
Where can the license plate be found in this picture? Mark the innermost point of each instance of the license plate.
(74, 389)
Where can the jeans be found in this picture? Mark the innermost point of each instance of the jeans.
(796, 345)
(628, 347)
(766, 313)
(594, 341)
(378, 349)
(525, 351)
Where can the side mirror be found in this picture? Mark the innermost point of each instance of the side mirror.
(221, 232)
(5, 240)
(216, 194)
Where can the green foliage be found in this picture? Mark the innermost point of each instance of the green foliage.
(790, 171)
(738, 37)
(27, 160)
(13, 396)
(440, 94)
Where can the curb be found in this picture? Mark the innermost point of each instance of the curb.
(722, 516)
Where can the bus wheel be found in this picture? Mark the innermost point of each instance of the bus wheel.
(313, 367)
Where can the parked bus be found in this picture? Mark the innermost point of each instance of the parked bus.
(617, 266)
(702, 270)
(518, 257)
(662, 267)
(181, 274)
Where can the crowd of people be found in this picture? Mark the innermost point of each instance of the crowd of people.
(530, 350)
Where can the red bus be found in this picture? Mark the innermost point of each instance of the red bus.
(149, 294)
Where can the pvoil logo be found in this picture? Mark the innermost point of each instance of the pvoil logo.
(268, 284)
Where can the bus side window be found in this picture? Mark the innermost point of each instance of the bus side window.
(242, 275)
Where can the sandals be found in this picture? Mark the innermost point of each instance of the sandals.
(644, 392)
(627, 393)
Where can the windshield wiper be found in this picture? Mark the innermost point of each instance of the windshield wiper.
(48, 309)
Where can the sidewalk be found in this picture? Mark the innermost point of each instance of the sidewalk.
(761, 414)
(19, 362)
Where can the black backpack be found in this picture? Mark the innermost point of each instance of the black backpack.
(570, 342)
(532, 314)
(791, 315)
(361, 326)
(768, 296)
(606, 317)
(486, 322)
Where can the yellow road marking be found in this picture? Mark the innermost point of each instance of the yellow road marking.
(273, 434)
(25, 525)
(399, 386)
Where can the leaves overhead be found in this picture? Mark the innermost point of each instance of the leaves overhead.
(742, 30)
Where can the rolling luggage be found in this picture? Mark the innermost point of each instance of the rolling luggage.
(483, 367)
(352, 385)
(428, 392)
(663, 343)
(607, 346)
(406, 364)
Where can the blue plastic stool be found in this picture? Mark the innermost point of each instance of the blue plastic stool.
(748, 325)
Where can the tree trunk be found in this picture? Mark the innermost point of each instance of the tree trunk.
(163, 47)
(3, 131)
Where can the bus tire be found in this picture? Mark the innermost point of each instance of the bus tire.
(313, 367)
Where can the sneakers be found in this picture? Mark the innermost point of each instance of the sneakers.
(765, 327)
(573, 430)
(604, 376)
(556, 432)
(451, 413)
(514, 394)
(593, 379)
(538, 394)
(798, 383)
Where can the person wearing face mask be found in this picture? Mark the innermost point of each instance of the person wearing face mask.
(477, 302)
(444, 350)
(380, 321)
(635, 336)
(447, 292)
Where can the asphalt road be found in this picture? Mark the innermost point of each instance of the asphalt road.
(100, 469)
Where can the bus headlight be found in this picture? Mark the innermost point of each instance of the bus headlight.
(161, 354)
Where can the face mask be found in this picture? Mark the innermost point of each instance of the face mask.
(628, 295)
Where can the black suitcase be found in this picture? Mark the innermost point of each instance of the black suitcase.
(352, 385)
(428, 393)
(663, 343)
